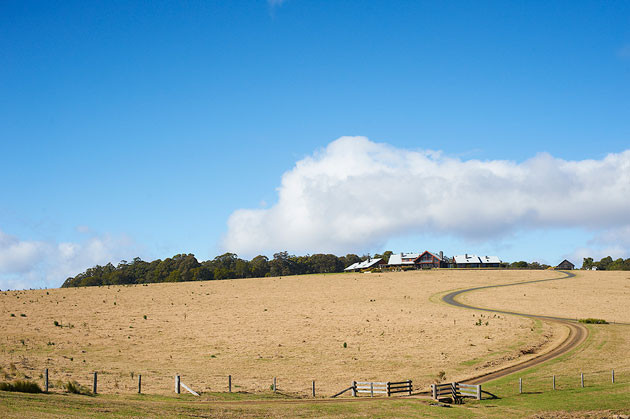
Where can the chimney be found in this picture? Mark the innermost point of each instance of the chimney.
(441, 255)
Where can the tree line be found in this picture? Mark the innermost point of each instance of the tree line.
(186, 267)
(525, 265)
(607, 264)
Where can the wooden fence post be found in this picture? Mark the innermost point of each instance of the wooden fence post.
(94, 386)
(554, 382)
(139, 383)
(275, 387)
(433, 391)
(177, 384)
(371, 389)
(46, 381)
(613, 376)
(388, 389)
(478, 391)
(410, 386)
(229, 383)
(313, 388)
(582, 379)
(520, 386)
(354, 389)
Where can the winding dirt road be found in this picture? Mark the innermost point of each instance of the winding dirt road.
(577, 332)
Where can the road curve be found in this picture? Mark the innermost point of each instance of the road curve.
(577, 332)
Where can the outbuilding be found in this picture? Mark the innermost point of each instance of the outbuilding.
(565, 264)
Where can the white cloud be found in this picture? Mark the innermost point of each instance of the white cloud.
(614, 242)
(33, 264)
(355, 194)
(17, 256)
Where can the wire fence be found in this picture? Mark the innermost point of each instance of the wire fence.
(538, 383)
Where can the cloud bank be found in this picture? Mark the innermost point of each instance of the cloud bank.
(356, 194)
(35, 264)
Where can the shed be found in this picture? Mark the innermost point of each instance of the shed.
(565, 264)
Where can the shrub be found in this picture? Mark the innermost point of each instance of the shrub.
(593, 321)
(22, 386)
(441, 376)
(76, 388)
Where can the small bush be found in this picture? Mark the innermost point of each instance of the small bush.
(145, 316)
(22, 386)
(56, 323)
(593, 321)
(22, 315)
(345, 345)
(441, 376)
(76, 388)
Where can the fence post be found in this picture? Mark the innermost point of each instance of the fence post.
(613, 376)
(554, 382)
(139, 383)
(371, 389)
(229, 383)
(410, 387)
(274, 385)
(388, 389)
(433, 391)
(354, 389)
(46, 381)
(177, 384)
(582, 379)
(313, 388)
(94, 385)
(478, 391)
(520, 386)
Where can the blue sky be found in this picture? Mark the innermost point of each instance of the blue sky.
(141, 128)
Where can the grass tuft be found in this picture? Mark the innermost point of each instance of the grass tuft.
(22, 386)
(76, 388)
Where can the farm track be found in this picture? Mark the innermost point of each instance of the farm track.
(577, 332)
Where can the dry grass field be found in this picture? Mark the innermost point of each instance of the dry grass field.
(328, 328)
(604, 295)
(591, 294)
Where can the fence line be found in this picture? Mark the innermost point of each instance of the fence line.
(389, 388)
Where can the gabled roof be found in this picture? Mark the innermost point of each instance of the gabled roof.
(566, 262)
(434, 254)
(490, 259)
(397, 258)
(363, 265)
(467, 258)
